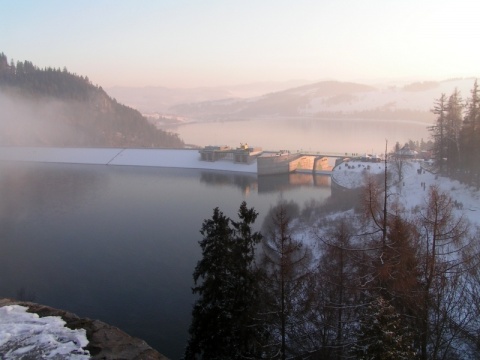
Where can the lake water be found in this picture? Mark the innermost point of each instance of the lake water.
(306, 134)
(120, 244)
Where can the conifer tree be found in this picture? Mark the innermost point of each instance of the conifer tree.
(247, 293)
(453, 128)
(88, 116)
(439, 131)
(382, 335)
(222, 318)
(470, 135)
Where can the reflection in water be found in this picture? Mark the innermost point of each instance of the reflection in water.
(264, 184)
(27, 188)
(120, 244)
(245, 182)
(307, 134)
(282, 182)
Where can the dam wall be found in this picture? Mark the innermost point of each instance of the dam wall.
(171, 158)
(270, 164)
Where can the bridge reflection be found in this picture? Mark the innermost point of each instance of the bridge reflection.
(264, 184)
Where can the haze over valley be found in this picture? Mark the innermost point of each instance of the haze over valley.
(53, 107)
(351, 129)
(325, 99)
(183, 63)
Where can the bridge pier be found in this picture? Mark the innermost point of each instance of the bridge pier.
(274, 163)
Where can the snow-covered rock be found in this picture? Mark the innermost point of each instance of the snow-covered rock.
(33, 331)
(26, 335)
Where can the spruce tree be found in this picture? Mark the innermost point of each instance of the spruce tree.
(470, 135)
(248, 333)
(453, 127)
(222, 318)
(381, 335)
(439, 131)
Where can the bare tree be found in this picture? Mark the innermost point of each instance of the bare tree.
(471, 329)
(285, 262)
(399, 166)
(336, 291)
(374, 207)
(443, 237)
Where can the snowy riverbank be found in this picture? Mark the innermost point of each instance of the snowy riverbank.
(412, 190)
(172, 158)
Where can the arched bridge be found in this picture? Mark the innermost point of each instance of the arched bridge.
(279, 163)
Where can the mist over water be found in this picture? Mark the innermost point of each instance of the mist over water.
(306, 134)
(28, 121)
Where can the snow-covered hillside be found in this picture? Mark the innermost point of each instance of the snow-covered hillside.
(414, 97)
(334, 99)
(413, 188)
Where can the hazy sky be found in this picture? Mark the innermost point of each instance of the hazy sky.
(179, 43)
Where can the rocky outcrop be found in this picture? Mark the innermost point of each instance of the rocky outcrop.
(106, 342)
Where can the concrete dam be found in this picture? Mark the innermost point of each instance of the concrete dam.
(268, 163)
(246, 159)
(281, 163)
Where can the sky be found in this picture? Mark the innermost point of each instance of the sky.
(185, 44)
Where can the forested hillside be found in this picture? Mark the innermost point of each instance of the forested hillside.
(456, 135)
(53, 107)
(397, 276)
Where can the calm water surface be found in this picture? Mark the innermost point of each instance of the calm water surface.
(120, 243)
(306, 134)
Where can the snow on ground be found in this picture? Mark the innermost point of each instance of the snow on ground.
(413, 189)
(177, 158)
(59, 155)
(410, 193)
(350, 174)
(466, 198)
(187, 159)
(26, 335)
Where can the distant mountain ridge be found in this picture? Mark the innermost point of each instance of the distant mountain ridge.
(53, 107)
(161, 99)
(401, 101)
(333, 99)
(57, 108)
